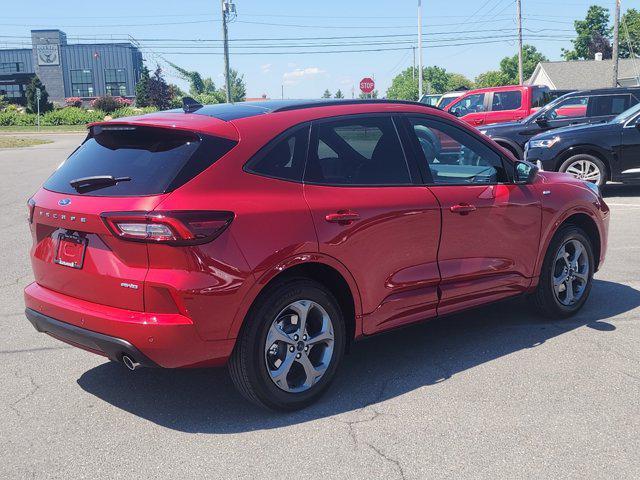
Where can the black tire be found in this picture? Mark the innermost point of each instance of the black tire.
(544, 298)
(247, 365)
(604, 172)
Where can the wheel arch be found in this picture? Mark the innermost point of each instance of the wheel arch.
(511, 146)
(326, 271)
(592, 150)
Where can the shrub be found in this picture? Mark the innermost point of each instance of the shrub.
(72, 116)
(12, 118)
(132, 111)
(110, 104)
(73, 101)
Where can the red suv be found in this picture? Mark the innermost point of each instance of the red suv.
(500, 104)
(270, 235)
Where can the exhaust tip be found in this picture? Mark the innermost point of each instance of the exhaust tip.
(129, 362)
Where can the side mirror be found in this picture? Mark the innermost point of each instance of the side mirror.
(525, 172)
(542, 120)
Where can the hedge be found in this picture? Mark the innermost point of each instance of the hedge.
(66, 116)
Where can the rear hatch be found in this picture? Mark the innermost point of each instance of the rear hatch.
(119, 168)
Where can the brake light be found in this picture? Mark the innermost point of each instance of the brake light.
(188, 227)
(32, 207)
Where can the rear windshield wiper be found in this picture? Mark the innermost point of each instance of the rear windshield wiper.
(96, 182)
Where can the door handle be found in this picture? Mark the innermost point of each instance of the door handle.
(463, 208)
(478, 122)
(342, 217)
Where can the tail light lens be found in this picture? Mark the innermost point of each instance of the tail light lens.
(32, 206)
(188, 227)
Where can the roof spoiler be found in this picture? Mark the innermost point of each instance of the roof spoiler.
(190, 105)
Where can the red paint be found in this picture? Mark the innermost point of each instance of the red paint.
(407, 253)
(367, 85)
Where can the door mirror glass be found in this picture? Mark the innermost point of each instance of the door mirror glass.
(525, 172)
(542, 120)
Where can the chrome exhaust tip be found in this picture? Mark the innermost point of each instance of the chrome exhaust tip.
(129, 362)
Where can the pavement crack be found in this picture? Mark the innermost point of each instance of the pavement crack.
(389, 459)
(34, 388)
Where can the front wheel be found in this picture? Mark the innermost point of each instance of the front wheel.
(290, 347)
(586, 167)
(566, 274)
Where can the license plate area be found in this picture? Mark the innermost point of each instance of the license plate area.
(70, 250)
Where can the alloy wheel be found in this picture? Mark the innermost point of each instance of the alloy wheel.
(585, 170)
(299, 346)
(570, 272)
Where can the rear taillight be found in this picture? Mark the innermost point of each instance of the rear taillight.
(189, 227)
(32, 207)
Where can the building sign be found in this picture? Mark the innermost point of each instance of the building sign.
(48, 54)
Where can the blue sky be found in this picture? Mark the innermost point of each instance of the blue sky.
(465, 36)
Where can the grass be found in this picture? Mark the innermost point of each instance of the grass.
(52, 129)
(16, 142)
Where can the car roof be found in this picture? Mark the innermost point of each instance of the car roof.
(607, 91)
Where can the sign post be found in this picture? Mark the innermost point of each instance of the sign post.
(38, 97)
(367, 86)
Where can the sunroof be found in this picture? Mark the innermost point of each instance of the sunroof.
(233, 111)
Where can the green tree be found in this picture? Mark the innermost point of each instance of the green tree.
(436, 79)
(530, 58)
(593, 35)
(492, 78)
(32, 99)
(339, 94)
(326, 94)
(142, 89)
(630, 23)
(457, 81)
(365, 96)
(238, 87)
(159, 91)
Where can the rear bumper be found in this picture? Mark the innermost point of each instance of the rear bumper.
(165, 340)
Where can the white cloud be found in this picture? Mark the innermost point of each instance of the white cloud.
(296, 76)
(266, 68)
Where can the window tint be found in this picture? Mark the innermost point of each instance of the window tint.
(573, 107)
(284, 159)
(455, 157)
(506, 100)
(363, 151)
(153, 160)
(603, 105)
(471, 104)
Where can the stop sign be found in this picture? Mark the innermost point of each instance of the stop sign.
(367, 85)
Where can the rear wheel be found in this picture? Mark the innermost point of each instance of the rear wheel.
(586, 167)
(290, 347)
(566, 275)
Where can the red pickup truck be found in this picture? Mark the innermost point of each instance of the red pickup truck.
(500, 104)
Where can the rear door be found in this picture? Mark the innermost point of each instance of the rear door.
(630, 151)
(506, 106)
(490, 226)
(371, 216)
(117, 169)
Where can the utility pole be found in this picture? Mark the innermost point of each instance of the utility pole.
(520, 73)
(419, 49)
(414, 63)
(226, 7)
(616, 33)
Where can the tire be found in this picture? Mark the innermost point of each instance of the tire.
(254, 366)
(546, 298)
(575, 164)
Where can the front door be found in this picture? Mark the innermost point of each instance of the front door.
(369, 215)
(490, 226)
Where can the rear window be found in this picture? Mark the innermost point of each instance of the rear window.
(150, 160)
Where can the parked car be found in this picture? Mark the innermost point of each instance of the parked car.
(270, 235)
(499, 104)
(449, 97)
(431, 99)
(594, 152)
(587, 106)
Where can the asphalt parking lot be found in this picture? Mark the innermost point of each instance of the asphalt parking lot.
(494, 393)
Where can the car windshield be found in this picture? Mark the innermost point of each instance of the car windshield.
(627, 114)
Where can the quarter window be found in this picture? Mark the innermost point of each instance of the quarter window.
(82, 83)
(115, 81)
(362, 152)
(285, 159)
(511, 100)
(454, 157)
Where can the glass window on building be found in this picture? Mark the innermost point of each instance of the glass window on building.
(115, 80)
(82, 83)
(11, 91)
(11, 67)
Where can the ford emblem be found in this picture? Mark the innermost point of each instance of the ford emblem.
(64, 202)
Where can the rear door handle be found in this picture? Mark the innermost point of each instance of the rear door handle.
(463, 208)
(342, 217)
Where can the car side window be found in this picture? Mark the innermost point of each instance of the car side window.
(573, 107)
(605, 105)
(283, 159)
(363, 151)
(510, 100)
(455, 157)
(470, 104)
